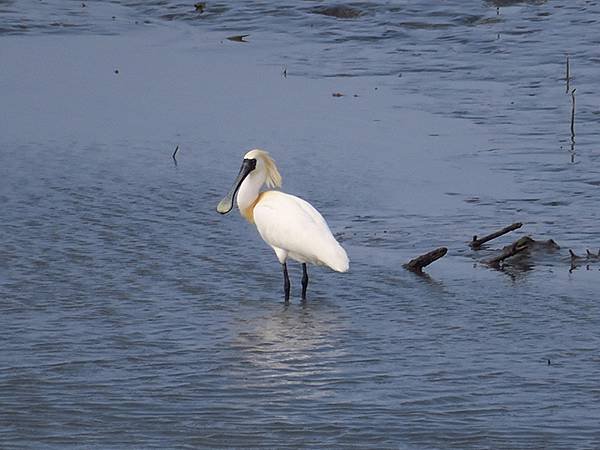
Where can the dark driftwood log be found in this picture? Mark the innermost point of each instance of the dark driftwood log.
(511, 250)
(476, 243)
(417, 264)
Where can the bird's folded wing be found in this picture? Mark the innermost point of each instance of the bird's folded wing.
(292, 224)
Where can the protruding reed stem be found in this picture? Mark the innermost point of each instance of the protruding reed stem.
(573, 115)
(568, 75)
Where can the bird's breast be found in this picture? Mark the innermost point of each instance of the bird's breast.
(248, 212)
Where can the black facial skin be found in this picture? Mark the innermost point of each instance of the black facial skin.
(226, 205)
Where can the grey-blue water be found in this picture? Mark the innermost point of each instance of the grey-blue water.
(132, 315)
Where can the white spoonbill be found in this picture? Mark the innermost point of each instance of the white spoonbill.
(291, 226)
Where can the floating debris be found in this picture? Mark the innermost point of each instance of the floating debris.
(339, 12)
(526, 247)
(503, 3)
(522, 244)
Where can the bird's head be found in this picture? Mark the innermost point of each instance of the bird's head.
(257, 167)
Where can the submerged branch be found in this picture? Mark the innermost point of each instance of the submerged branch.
(511, 250)
(476, 243)
(588, 255)
(577, 260)
(591, 255)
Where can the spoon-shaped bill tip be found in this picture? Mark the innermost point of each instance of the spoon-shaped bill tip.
(225, 205)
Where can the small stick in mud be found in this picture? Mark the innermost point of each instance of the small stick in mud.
(238, 38)
(175, 153)
(568, 75)
(511, 250)
(476, 243)
(417, 264)
(573, 115)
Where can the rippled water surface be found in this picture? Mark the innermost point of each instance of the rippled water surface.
(132, 315)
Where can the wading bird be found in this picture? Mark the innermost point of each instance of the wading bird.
(291, 226)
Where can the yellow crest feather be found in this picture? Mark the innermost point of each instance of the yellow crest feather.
(273, 176)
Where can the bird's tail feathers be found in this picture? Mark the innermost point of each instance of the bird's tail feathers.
(338, 259)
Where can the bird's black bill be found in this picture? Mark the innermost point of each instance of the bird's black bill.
(226, 204)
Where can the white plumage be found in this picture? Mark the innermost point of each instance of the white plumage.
(289, 224)
(294, 229)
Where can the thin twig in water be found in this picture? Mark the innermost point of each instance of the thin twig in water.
(175, 153)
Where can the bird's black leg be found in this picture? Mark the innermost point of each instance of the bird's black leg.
(286, 283)
(304, 281)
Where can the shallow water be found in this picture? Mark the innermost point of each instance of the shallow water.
(133, 315)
